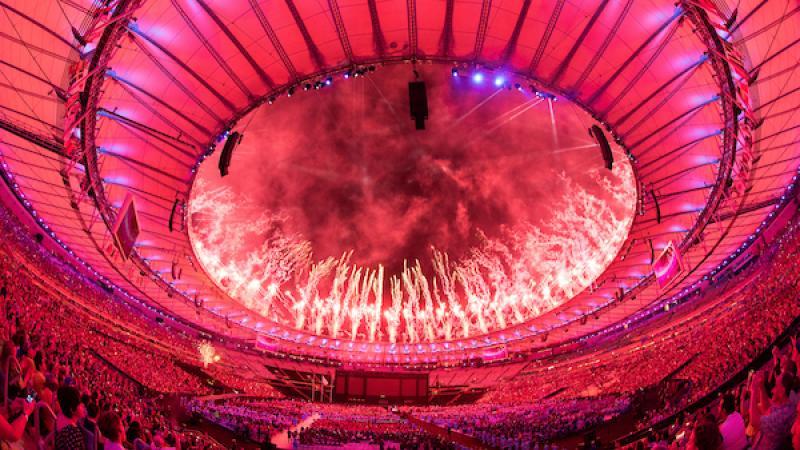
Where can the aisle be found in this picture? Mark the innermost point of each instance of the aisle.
(221, 434)
(456, 437)
(281, 440)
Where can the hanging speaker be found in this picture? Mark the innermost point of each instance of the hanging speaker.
(172, 215)
(418, 103)
(227, 152)
(655, 203)
(605, 149)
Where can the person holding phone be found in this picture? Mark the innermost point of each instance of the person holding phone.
(12, 430)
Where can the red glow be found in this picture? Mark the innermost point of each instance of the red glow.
(346, 222)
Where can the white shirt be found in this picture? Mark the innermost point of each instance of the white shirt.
(732, 429)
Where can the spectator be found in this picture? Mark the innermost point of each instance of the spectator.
(11, 370)
(706, 434)
(111, 427)
(135, 436)
(90, 422)
(12, 430)
(772, 417)
(732, 426)
(68, 435)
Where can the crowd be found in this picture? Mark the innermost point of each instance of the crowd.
(316, 425)
(695, 351)
(257, 420)
(155, 370)
(377, 432)
(523, 425)
(761, 413)
(58, 386)
(80, 369)
(57, 390)
(374, 426)
(113, 330)
(233, 379)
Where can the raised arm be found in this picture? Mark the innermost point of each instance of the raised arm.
(12, 432)
(759, 401)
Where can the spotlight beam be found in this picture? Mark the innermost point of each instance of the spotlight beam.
(474, 108)
(513, 111)
(508, 118)
(389, 105)
(572, 149)
(553, 122)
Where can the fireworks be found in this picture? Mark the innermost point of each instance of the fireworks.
(343, 223)
(505, 280)
(208, 354)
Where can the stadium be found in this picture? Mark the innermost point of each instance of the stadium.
(372, 224)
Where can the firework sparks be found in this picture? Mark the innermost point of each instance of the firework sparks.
(528, 271)
(407, 238)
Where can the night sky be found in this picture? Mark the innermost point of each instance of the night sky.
(345, 168)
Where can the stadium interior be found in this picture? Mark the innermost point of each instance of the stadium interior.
(399, 224)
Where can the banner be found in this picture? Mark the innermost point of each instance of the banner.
(126, 227)
(668, 265)
(494, 354)
(265, 343)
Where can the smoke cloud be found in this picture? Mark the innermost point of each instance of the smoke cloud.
(343, 171)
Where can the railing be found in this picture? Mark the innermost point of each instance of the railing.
(741, 376)
(210, 442)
